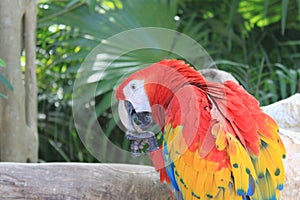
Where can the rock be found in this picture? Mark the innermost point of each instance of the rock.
(291, 188)
(216, 75)
(286, 112)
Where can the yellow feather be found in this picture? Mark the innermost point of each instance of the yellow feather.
(277, 194)
(168, 131)
(189, 179)
(179, 165)
(168, 136)
(189, 176)
(220, 135)
(276, 144)
(199, 189)
(241, 165)
(211, 166)
(174, 143)
(234, 156)
(177, 141)
(266, 186)
(220, 195)
(209, 186)
(188, 157)
(260, 164)
(227, 194)
(223, 177)
(179, 168)
(193, 186)
(199, 164)
(274, 160)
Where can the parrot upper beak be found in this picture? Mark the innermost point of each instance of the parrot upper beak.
(125, 117)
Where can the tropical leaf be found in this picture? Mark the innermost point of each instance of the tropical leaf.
(6, 82)
(2, 63)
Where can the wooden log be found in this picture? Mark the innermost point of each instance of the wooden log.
(80, 181)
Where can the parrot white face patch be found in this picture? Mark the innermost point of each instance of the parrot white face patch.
(135, 92)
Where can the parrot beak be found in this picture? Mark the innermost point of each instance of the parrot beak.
(133, 121)
(137, 125)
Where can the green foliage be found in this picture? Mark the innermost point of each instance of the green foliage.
(4, 80)
(251, 39)
(257, 41)
(2, 63)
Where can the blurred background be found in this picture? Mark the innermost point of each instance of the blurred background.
(258, 41)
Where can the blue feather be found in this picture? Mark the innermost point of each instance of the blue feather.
(251, 187)
(169, 167)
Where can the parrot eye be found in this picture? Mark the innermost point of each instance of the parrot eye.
(132, 86)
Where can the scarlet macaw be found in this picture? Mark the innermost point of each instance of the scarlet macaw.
(217, 142)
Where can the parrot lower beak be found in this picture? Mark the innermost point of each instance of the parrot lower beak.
(137, 125)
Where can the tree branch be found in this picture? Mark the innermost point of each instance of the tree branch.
(80, 181)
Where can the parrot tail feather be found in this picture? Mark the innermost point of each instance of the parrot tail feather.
(243, 171)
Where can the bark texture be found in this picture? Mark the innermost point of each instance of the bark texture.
(18, 130)
(80, 181)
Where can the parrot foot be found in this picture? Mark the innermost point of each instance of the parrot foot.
(139, 140)
(152, 144)
(136, 146)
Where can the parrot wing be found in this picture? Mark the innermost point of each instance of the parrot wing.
(219, 144)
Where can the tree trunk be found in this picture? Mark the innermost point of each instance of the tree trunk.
(18, 130)
(80, 181)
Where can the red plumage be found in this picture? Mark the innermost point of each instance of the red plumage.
(217, 141)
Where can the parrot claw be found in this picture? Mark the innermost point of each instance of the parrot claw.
(152, 144)
(135, 147)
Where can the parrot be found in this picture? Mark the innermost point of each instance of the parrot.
(217, 143)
